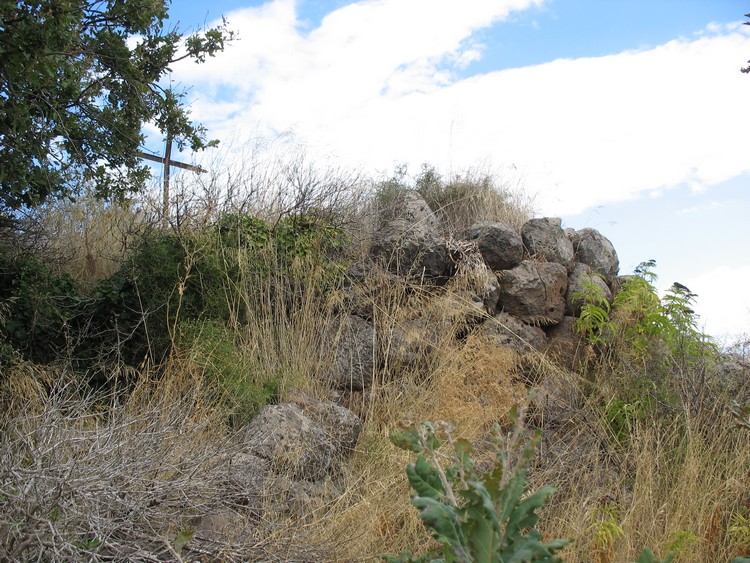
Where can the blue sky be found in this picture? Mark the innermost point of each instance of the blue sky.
(627, 116)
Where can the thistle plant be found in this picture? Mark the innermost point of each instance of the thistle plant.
(476, 516)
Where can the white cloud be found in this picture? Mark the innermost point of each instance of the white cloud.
(723, 302)
(374, 84)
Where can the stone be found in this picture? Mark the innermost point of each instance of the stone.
(534, 292)
(579, 278)
(408, 241)
(500, 245)
(555, 401)
(354, 358)
(303, 441)
(547, 242)
(595, 250)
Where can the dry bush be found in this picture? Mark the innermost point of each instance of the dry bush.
(473, 196)
(92, 477)
(448, 378)
(266, 178)
(86, 238)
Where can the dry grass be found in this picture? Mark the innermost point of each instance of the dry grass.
(133, 472)
(87, 239)
(473, 196)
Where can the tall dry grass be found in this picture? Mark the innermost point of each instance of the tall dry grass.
(133, 471)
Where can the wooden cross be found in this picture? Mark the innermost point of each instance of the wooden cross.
(168, 162)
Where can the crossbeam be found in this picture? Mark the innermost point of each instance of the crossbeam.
(162, 160)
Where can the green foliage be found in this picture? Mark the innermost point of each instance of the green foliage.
(682, 544)
(658, 336)
(605, 531)
(38, 307)
(621, 416)
(229, 372)
(476, 516)
(739, 530)
(78, 79)
(647, 556)
(593, 321)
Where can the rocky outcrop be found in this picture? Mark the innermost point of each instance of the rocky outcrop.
(500, 245)
(302, 440)
(595, 250)
(565, 345)
(354, 358)
(534, 292)
(408, 241)
(546, 241)
(509, 332)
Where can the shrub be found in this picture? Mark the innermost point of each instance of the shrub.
(238, 383)
(38, 307)
(476, 516)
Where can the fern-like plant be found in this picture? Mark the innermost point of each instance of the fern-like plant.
(477, 516)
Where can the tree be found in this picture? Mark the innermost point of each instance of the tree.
(78, 80)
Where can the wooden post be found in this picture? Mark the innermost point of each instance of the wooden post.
(168, 164)
(165, 203)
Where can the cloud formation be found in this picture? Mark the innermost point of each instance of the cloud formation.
(378, 83)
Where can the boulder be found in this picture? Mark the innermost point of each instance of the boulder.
(547, 242)
(249, 474)
(354, 358)
(579, 278)
(408, 241)
(534, 292)
(500, 245)
(595, 250)
(509, 332)
(303, 441)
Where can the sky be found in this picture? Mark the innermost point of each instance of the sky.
(628, 116)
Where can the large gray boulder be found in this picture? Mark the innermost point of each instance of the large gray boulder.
(354, 357)
(408, 241)
(499, 244)
(578, 280)
(534, 292)
(304, 440)
(509, 332)
(547, 242)
(595, 250)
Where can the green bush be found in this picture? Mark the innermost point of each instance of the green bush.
(38, 308)
(657, 339)
(234, 378)
(476, 516)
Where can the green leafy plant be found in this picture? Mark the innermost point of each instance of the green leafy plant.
(605, 531)
(739, 530)
(79, 81)
(647, 556)
(476, 516)
(593, 321)
(682, 544)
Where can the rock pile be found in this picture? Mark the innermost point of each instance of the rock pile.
(528, 298)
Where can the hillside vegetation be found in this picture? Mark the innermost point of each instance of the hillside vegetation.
(135, 354)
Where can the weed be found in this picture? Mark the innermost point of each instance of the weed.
(476, 516)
